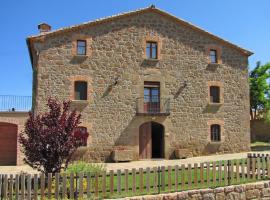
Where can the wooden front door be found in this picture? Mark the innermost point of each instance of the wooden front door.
(145, 141)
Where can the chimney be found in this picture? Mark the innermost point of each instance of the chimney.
(44, 27)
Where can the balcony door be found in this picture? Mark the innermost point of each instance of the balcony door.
(151, 97)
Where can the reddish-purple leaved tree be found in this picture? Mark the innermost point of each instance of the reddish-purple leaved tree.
(48, 140)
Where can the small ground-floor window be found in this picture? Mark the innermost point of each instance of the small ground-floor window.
(81, 135)
(215, 133)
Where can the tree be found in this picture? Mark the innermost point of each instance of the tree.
(48, 139)
(259, 90)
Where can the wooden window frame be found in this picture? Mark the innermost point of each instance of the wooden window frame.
(215, 136)
(153, 39)
(86, 90)
(88, 44)
(85, 47)
(151, 49)
(221, 124)
(216, 48)
(214, 99)
(215, 56)
(221, 92)
(82, 78)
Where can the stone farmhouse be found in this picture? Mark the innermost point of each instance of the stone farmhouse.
(147, 83)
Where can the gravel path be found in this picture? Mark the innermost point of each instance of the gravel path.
(142, 163)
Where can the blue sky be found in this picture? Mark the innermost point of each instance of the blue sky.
(243, 22)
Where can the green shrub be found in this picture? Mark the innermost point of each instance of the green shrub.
(81, 166)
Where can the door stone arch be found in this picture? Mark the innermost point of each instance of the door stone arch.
(151, 140)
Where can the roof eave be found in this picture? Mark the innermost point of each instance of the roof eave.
(164, 13)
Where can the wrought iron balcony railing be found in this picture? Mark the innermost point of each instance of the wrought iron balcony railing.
(156, 106)
(10, 103)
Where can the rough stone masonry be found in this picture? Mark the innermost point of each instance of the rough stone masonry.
(116, 68)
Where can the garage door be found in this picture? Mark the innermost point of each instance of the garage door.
(8, 143)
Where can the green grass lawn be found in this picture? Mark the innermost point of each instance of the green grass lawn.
(169, 180)
(258, 143)
(186, 181)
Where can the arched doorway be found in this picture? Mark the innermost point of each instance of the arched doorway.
(151, 140)
(8, 143)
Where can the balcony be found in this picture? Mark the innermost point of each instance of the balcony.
(10, 103)
(157, 107)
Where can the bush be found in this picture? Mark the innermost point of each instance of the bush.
(83, 167)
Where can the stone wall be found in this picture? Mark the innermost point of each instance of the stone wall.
(259, 190)
(19, 119)
(183, 70)
(260, 130)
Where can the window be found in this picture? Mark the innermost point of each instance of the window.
(81, 135)
(81, 47)
(215, 133)
(80, 90)
(214, 94)
(151, 97)
(151, 50)
(213, 56)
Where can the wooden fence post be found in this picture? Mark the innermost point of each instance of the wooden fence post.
(81, 177)
(220, 172)
(104, 192)
(29, 184)
(56, 190)
(11, 186)
(35, 186)
(49, 185)
(208, 173)
(163, 178)
(71, 186)
(189, 176)
(183, 182)
(214, 173)
(248, 166)
(253, 168)
(268, 166)
(169, 178)
(237, 171)
(176, 176)
(119, 181)
(126, 181)
(201, 174)
(155, 179)
(64, 185)
(96, 184)
(196, 175)
(148, 179)
(42, 186)
(134, 180)
(17, 186)
(229, 172)
(88, 181)
(23, 186)
(111, 182)
(158, 179)
(263, 166)
(5, 187)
